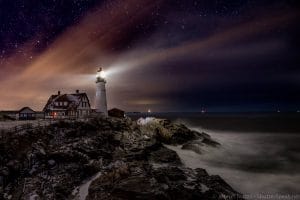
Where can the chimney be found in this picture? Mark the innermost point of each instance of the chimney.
(58, 92)
(77, 91)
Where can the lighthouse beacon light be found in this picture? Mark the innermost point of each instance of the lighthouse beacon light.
(100, 73)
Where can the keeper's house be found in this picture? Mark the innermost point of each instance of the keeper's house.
(71, 106)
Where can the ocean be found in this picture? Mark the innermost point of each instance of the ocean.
(259, 154)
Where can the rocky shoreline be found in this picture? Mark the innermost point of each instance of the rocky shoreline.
(128, 157)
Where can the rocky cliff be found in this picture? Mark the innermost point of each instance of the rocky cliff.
(129, 158)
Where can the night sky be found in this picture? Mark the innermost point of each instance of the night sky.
(163, 55)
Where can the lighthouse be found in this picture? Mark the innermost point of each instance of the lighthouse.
(100, 100)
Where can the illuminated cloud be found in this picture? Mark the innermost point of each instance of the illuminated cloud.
(79, 50)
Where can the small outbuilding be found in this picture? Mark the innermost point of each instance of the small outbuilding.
(115, 112)
(26, 113)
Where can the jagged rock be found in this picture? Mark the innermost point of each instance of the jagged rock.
(198, 145)
(49, 163)
(210, 142)
(161, 154)
(167, 132)
(193, 147)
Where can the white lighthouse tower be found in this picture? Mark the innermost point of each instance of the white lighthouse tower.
(100, 100)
